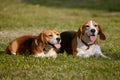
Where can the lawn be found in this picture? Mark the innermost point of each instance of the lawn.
(30, 17)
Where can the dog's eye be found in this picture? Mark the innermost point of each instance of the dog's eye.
(57, 34)
(95, 25)
(50, 35)
(87, 25)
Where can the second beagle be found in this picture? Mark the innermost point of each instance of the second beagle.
(83, 42)
(44, 45)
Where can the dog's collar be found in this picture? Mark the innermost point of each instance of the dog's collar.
(88, 45)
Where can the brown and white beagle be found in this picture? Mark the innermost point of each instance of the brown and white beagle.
(83, 42)
(44, 45)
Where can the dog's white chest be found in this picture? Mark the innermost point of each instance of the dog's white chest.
(51, 53)
(84, 51)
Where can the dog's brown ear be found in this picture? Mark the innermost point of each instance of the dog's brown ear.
(102, 36)
(36, 42)
(40, 40)
(42, 37)
(81, 31)
(37, 45)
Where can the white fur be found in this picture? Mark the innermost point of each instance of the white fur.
(40, 54)
(94, 50)
(51, 53)
(13, 53)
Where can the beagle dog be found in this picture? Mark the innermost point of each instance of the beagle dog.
(83, 42)
(44, 45)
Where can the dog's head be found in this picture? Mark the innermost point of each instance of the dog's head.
(90, 30)
(51, 37)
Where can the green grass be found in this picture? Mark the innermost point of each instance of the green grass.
(22, 17)
(64, 67)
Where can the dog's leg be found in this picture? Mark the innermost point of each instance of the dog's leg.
(13, 53)
(40, 55)
(104, 56)
(98, 52)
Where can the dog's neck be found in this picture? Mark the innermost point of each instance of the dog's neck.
(88, 45)
(47, 47)
(85, 40)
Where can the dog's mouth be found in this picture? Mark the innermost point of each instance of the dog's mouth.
(57, 45)
(93, 38)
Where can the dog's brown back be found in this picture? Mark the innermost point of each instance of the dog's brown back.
(21, 45)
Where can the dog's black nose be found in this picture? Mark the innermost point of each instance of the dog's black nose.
(58, 39)
(92, 30)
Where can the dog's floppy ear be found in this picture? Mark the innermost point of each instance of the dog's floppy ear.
(81, 31)
(42, 38)
(102, 36)
(36, 42)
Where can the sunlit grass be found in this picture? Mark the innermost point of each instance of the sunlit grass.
(23, 17)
